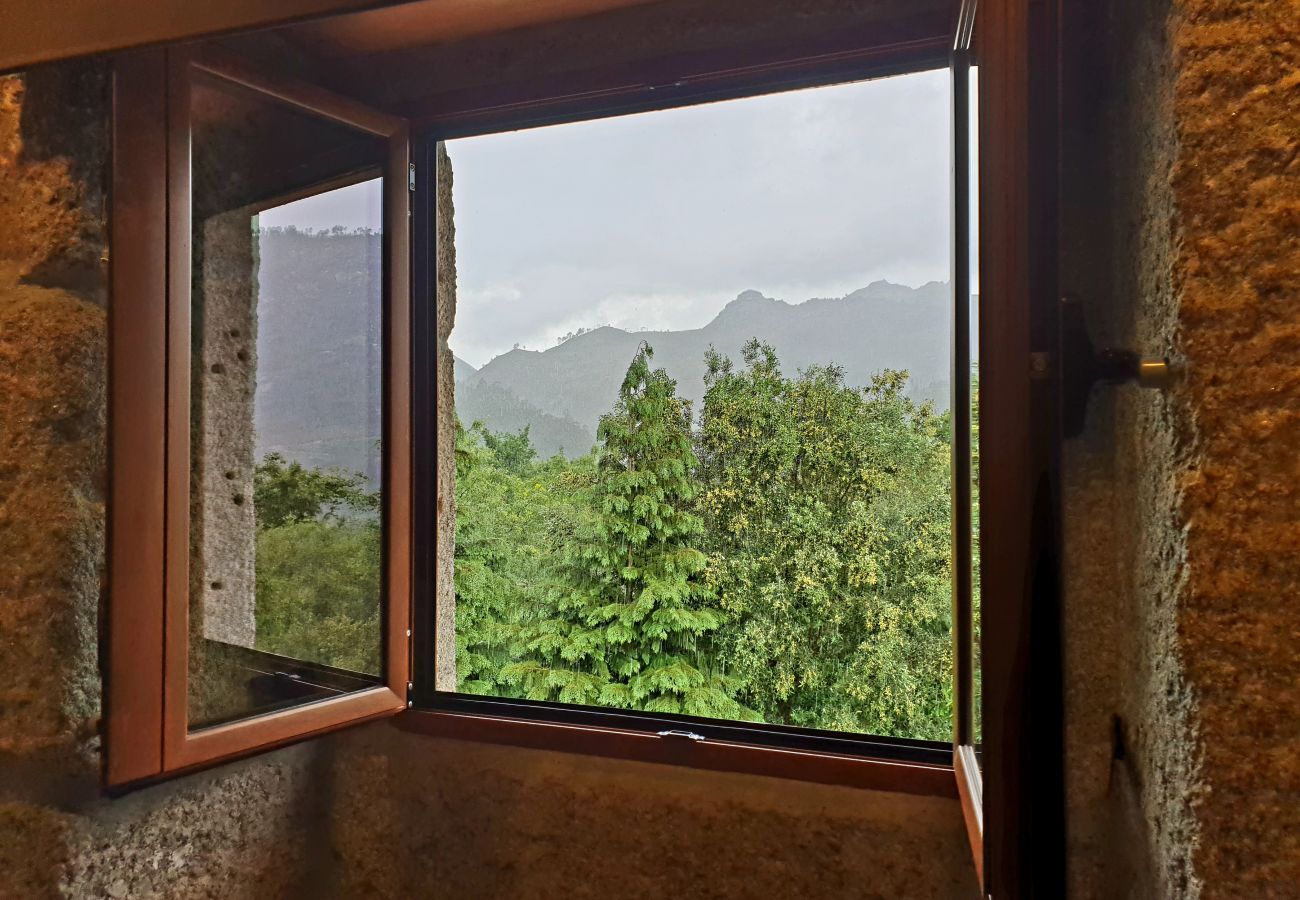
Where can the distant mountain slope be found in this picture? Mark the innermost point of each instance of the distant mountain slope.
(319, 357)
(500, 410)
(318, 354)
(880, 326)
(464, 372)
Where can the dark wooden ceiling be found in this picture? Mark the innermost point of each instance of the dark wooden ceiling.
(433, 60)
(430, 23)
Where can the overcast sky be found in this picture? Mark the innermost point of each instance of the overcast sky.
(356, 206)
(659, 220)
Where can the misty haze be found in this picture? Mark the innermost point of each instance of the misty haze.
(702, 378)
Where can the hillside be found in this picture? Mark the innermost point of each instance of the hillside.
(880, 326)
(319, 354)
(500, 410)
(319, 349)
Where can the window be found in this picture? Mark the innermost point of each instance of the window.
(726, 512)
(286, 488)
(703, 391)
(281, 525)
(280, 455)
(563, 574)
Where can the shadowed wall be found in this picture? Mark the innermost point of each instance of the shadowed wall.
(1181, 216)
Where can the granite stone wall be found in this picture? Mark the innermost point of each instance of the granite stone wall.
(1236, 274)
(445, 261)
(1181, 220)
(223, 383)
(422, 817)
(249, 830)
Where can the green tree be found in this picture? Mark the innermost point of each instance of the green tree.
(513, 518)
(318, 565)
(827, 515)
(318, 590)
(513, 452)
(631, 619)
(285, 492)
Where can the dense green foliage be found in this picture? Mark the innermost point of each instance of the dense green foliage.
(513, 524)
(784, 558)
(828, 511)
(629, 615)
(317, 565)
(787, 560)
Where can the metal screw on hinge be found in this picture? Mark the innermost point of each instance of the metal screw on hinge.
(1083, 366)
(1156, 374)
(683, 735)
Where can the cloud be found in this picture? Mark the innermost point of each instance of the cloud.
(658, 220)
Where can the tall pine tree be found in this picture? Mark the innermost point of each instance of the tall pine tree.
(630, 622)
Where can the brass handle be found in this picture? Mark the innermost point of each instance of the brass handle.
(1155, 374)
(1083, 365)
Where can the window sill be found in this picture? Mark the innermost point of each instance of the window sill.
(714, 755)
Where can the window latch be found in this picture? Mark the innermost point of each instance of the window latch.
(683, 735)
(1084, 365)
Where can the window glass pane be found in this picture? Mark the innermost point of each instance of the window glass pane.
(977, 650)
(286, 506)
(702, 383)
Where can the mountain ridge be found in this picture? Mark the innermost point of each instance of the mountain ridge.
(881, 326)
(319, 357)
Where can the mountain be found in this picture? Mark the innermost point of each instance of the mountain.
(319, 349)
(318, 354)
(501, 410)
(463, 371)
(881, 326)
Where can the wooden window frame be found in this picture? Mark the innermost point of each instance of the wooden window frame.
(149, 433)
(966, 767)
(1011, 787)
(913, 45)
(1012, 793)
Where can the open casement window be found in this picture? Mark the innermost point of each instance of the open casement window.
(965, 454)
(281, 522)
(999, 327)
(261, 514)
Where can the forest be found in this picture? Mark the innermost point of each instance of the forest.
(780, 556)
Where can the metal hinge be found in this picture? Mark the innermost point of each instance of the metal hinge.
(1083, 365)
(410, 177)
(684, 735)
(410, 694)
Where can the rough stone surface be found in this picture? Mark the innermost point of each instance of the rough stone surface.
(1130, 823)
(468, 820)
(1182, 203)
(245, 833)
(224, 378)
(1236, 187)
(248, 831)
(52, 413)
(446, 512)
